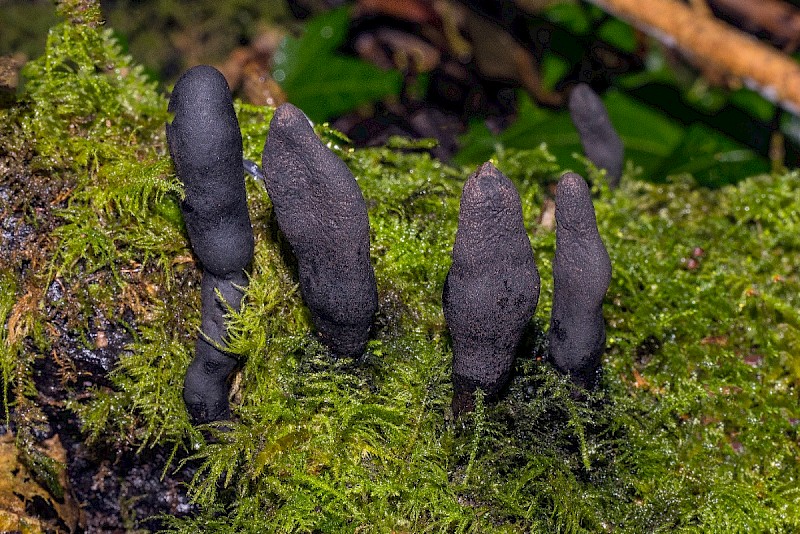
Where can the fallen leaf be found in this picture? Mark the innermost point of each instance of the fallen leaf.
(19, 492)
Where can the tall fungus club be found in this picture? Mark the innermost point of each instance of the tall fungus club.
(206, 146)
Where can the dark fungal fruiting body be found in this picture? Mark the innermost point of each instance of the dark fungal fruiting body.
(321, 211)
(492, 288)
(205, 388)
(601, 142)
(581, 276)
(206, 146)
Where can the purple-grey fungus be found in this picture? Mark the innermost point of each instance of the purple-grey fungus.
(581, 276)
(321, 212)
(206, 146)
(492, 288)
(205, 387)
(601, 142)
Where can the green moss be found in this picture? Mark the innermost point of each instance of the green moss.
(86, 149)
(687, 433)
(9, 345)
(694, 429)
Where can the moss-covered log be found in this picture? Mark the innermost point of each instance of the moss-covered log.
(694, 425)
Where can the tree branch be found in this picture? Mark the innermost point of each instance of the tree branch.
(709, 42)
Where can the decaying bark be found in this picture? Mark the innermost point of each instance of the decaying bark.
(712, 43)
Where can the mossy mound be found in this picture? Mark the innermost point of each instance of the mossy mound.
(694, 428)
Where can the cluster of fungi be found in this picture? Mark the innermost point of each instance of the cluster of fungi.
(491, 290)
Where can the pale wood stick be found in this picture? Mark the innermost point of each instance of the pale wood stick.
(710, 42)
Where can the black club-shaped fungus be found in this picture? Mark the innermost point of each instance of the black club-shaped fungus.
(601, 143)
(206, 146)
(581, 276)
(321, 211)
(492, 288)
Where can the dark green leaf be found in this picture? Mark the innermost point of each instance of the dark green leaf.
(553, 68)
(322, 82)
(618, 34)
(571, 16)
(712, 159)
(648, 135)
(750, 101)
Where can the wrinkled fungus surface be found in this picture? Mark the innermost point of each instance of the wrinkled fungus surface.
(322, 213)
(581, 276)
(601, 142)
(492, 288)
(206, 147)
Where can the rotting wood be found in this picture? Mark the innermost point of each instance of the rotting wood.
(709, 42)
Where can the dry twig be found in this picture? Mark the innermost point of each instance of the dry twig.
(708, 41)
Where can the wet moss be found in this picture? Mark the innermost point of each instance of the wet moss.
(694, 427)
